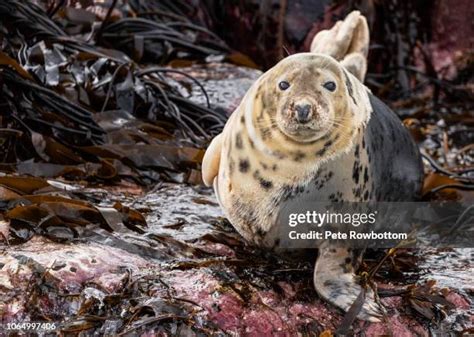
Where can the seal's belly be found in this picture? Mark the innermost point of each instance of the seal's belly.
(254, 210)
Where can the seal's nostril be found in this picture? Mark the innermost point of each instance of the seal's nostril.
(302, 112)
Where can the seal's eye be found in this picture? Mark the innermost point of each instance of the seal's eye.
(331, 86)
(283, 85)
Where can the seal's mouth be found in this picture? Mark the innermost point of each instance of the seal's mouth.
(304, 119)
(295, 128)
(303, 133)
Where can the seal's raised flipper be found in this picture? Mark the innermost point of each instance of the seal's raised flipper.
(356, 64)
(211, 161)
(336, 282)
(348, 42)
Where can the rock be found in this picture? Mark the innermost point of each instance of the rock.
(188, 262)
(224, 83)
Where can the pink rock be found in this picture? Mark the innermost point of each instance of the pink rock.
(458, 301)
(397, 326)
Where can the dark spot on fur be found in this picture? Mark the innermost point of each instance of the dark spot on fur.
(244, 165)
(288, 192)
(357, 191)
(321, 152)
(266, 184)
(328, 143)
(242, 119)
(356, 172)
(238, 141)
(298, 156)
(335, 197)
(366, 195)
(348, 260)
(349, 88)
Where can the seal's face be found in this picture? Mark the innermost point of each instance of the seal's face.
(305, 111)
(303, 98)
(306, 88)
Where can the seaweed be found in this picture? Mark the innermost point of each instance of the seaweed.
(57, 90)
(34, 206)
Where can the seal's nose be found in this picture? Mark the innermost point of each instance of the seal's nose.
(303, 113)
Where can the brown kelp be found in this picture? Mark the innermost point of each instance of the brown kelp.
(58, 90)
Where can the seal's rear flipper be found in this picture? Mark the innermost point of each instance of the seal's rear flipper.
(356, 64)
(348, 42)
(336, 282)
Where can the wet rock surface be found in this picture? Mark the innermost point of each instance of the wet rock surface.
(225, 84)
(190, 271)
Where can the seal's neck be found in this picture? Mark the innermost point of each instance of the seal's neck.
(288, 164)
(297, 163)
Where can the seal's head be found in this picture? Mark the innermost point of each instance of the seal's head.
(306, 99)
(305, 109)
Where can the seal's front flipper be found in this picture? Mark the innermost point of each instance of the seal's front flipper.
(211, 161)
(336, 282)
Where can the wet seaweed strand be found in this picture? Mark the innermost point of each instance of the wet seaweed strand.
(57, 85)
